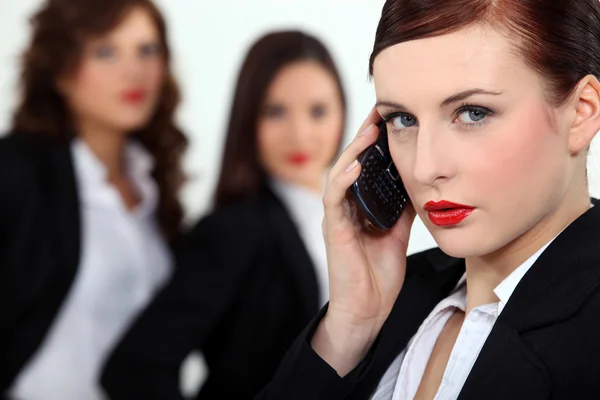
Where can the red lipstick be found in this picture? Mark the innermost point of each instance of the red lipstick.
(446, 213)
(134, 96)
(298, 158)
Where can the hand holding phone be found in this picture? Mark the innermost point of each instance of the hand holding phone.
(366, 270)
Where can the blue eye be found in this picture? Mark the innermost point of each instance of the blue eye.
(150, 49)
(469, 115)
(404, 121)
(274, 111)
(318, 111)
(105, 52)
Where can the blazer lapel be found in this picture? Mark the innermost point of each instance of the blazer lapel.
(64, 211)
(506, 369)
(552, 291)
(294, 252)
(559, 281)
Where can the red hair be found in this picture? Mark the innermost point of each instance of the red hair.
(560, 39)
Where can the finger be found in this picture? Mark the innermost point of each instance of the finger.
(372, 119)
(366, 138)
(401, 230)
(334, 200)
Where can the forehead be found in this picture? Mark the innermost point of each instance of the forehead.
(303, 80)
(137, 25)
(474, 57)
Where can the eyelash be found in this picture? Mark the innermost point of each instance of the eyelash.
(465, 107)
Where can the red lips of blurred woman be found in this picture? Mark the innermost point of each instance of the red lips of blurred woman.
(134, 96)
(298, 158)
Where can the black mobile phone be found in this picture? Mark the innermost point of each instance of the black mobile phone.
(378, 192)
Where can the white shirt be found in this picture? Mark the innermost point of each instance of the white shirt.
(402, 379)
(123, 260)
(307, 212)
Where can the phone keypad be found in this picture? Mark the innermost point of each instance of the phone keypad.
(388, 194)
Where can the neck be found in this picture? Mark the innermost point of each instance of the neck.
(486, 272)
(315, 187)
(108, 145)
(315, 184)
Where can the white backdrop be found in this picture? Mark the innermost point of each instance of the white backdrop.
(209, 39)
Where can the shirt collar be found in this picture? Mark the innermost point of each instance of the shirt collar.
(506, 288)
(300, 200)
(92, 174)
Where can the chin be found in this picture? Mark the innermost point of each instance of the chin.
(462, 242)
(131, 123)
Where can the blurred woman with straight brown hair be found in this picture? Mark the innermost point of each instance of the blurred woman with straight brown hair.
(89, 210)
(252, 273)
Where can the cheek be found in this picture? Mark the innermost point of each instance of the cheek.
(155, 75)
(92, 91)
(94, 82)
(403, 153)
(519, 158)
(269, 142)
(328, 138)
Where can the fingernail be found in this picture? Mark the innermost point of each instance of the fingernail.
(364, 132)
(352, 166)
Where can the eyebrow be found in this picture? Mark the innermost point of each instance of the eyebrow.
(450, 100)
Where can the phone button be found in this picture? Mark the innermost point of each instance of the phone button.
(392, 171)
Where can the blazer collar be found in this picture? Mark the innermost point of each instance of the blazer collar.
(292, 248)
(553, 290)
(63, 199)
(561, 279)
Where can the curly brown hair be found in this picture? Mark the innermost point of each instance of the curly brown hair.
(60, 30)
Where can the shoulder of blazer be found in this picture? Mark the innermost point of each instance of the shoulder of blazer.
(20, 154)
(21, 157)
(235, 231)
(34, 166)
(248, 219)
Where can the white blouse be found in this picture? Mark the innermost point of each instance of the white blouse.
(403, 377)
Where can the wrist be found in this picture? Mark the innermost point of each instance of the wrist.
(344, 342)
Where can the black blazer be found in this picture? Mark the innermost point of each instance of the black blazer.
(243, 290)
(39, 244)
(544, 345)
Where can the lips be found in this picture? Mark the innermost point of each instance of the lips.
(447, 213)
(298, 158)
(134, 96)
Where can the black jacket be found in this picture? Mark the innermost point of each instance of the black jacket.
(39, 244)
(544, 345)
(243, 290)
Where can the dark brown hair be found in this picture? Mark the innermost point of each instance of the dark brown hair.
(560, 39)
(60, 30)
(242, 175)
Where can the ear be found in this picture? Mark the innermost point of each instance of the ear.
(586, 104)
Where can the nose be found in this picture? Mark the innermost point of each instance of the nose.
(300, 130)
(133, 66)
(432, 161)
